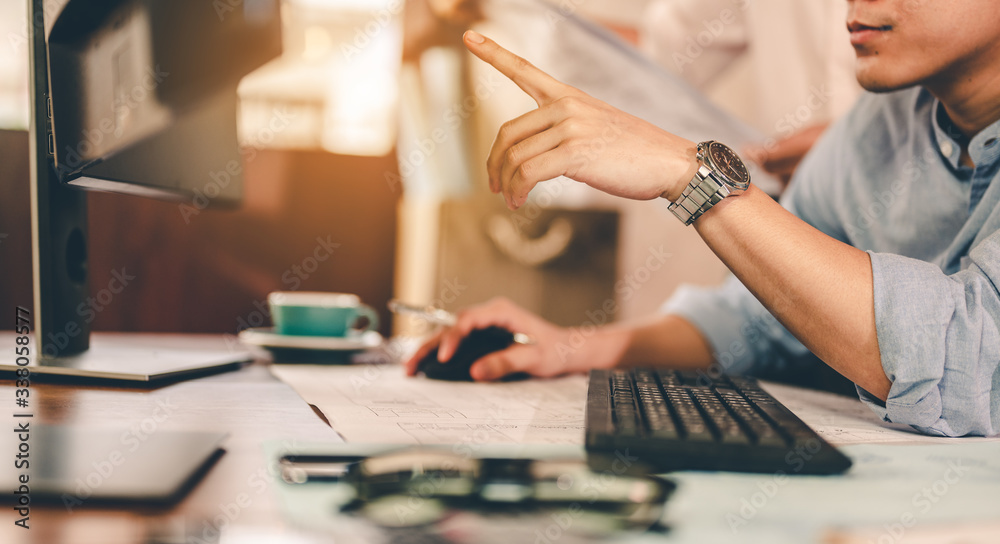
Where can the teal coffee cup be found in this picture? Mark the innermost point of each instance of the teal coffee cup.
(319, 314)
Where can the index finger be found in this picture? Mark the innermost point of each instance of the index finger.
(540, 86)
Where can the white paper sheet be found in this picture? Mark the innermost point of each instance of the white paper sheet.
(846, 420)
(378, 404)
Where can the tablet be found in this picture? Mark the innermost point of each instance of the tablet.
(77, 466)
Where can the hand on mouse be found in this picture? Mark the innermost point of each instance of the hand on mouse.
(551, 354)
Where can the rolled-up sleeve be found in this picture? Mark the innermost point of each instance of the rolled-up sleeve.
(744, 337)
(939, 342)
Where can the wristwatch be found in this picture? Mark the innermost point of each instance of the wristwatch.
(720, 173)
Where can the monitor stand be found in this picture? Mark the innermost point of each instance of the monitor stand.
(61, 279)
(63, 346)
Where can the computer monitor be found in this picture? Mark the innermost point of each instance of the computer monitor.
(135, 97)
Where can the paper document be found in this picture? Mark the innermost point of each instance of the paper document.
(379, 404)
(846, 420)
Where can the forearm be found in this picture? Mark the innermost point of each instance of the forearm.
(818, 287)
(661, 340)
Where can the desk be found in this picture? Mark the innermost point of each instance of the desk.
(249, 404)
(254, 407)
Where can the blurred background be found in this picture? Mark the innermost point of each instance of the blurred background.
(364, 148)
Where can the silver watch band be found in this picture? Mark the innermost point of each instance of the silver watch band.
(704, 191)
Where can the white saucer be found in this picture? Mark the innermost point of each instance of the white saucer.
(265, 337)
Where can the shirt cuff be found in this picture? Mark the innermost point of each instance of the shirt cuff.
(928, 346)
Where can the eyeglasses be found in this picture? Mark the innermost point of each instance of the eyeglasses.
(418, 486)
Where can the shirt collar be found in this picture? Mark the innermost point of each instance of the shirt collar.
(984, 148)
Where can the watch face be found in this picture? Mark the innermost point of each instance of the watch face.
(728, 163)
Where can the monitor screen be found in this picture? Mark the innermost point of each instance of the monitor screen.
(143, 92)
(136, 97)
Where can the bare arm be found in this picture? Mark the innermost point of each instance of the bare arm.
(659, 340)
(819, 288)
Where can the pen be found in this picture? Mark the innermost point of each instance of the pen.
(433, 314)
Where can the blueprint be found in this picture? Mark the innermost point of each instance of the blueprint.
(846, 420)
(379, 404)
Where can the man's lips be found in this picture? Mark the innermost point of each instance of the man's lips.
(863, 32)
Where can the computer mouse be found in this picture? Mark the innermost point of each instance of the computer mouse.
(477, 344)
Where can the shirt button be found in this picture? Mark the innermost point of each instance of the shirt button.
(946, 148)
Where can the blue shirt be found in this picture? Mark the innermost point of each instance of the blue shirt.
(887, 179)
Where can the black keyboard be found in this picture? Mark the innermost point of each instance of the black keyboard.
(665, 420)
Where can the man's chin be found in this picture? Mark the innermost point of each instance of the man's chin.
(880, 87)
(876, 81)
